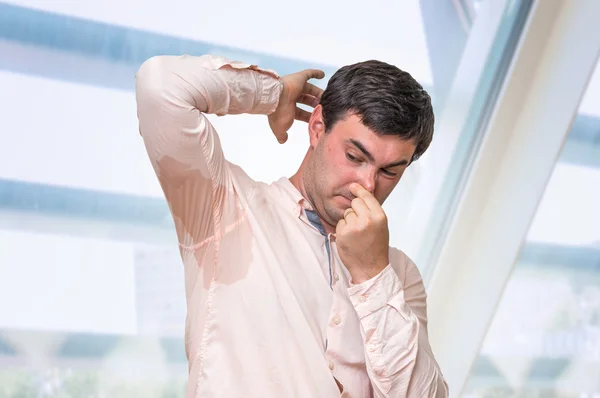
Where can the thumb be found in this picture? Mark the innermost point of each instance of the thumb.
(282, 137)
(278, 131)
(340, 226)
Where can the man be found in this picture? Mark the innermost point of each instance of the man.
(292, 288)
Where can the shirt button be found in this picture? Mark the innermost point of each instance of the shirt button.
(336, 277)
(337, 320)
(362, 299)
(331, 365)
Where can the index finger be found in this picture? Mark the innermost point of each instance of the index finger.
(360, 192)
(313, 74)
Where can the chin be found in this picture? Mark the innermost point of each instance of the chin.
(334, 214)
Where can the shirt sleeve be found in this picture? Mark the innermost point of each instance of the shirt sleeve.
(393, 318)
(173, 93)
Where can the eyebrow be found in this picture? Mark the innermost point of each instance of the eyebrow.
(368, 155)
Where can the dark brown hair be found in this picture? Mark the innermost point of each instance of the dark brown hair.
(388, 100)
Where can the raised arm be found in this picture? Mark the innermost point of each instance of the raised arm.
(173, 93)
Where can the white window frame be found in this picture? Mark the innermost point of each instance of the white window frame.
(548, 77)
(422, 223)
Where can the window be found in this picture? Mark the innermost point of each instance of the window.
(544, 340)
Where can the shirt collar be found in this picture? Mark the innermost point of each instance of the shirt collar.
(290, 190)
(301, 206)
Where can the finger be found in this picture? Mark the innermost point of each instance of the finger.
(302, 115)
(360, 207)
(313, 74)
(348, 211)
(313, 90)
(350, 215)
(308, 100)
(358, 191)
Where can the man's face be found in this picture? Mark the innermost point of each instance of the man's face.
(348, 153)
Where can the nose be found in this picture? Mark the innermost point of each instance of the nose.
(367, 179)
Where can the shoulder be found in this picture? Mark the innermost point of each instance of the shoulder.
(258, 195)
(246, 188)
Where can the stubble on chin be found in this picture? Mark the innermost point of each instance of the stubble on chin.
(333, 214)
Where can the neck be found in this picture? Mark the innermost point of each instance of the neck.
(297, 181)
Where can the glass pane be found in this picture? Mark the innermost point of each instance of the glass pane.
(91, 284)
(544, 340)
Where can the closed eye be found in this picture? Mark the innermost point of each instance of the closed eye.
(352, 158)
(389, 173)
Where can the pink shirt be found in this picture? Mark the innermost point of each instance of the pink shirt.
(271, 311)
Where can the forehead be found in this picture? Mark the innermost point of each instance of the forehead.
(384, 148)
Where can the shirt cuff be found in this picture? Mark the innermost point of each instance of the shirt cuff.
(269, 85)
(270, 92)
(378, 292)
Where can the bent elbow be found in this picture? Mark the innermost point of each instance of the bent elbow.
(150, 77)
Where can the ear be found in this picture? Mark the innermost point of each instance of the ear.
(316, 126)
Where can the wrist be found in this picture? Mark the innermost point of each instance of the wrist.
(361, 273)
